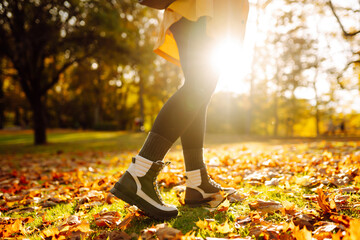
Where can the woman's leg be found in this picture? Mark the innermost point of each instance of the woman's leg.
(192, 141)
(137, 186)
(189, 103)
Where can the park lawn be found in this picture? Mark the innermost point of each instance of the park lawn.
(55, 192)
(21, 142)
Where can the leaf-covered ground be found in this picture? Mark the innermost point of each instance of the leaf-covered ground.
(285, 191)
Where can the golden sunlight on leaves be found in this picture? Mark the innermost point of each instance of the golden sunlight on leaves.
(316, 196)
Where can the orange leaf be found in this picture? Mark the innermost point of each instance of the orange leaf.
(325, 206)
(224, 206)
(84, 226)
(50, 232)
(126, 221)
(302, 234)
(353, 232)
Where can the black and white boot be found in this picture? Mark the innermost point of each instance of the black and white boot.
(138, 186)
(201, 189)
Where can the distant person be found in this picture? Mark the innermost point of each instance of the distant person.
(187, 33)
(139, 124)
(342, 128)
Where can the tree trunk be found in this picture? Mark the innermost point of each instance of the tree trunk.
(39, 120)
(17, 117)
(276, 116)
(2, 105)
(141, 103)
(317, 111)
(250, 110)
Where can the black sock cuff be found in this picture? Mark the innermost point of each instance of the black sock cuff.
(155, 147)
(194, 158)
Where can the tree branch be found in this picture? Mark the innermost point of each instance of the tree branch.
(347, 34)
(56, 76)
(343, 71)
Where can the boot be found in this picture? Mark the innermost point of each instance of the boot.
(201, 189)
(138, 187)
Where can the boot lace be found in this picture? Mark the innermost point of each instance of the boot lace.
(156, 186)
(213, 183)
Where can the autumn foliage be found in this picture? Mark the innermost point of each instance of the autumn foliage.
(297, 191)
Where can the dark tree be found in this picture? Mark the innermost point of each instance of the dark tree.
(43, 38)
(348, 33)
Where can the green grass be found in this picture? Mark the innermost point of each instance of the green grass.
(70, 141)
(185, 222)
(21, 142)
(116, 147)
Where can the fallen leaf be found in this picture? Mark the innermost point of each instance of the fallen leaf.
(165, 233)
(236, 197)
(324, 204)
(224, 228)
(302, 234)
(107, 219)
(224, 206)
(202, 224)
(265, 206)
(353, 233)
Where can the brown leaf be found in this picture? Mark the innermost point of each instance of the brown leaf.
(348, 190)
(116, 234)
(324, 205)
(109, 198)
(181, 197)
(342, 219)
(236, 197)
(165, 233)
(217, 200)
(148, 233)
(240, 222)
(265, 206)
(267, 232)
(119, 235)
(127, 219)
(325, 230)
(107, 219)
(48, 204)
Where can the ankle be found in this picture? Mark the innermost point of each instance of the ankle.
(155, 147)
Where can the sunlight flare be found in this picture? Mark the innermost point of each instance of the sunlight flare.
(230, 61)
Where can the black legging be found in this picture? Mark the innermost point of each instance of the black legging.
(184, 114)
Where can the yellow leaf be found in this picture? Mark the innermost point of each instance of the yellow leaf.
(224, 228)
(201, 224)
(50, 232)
